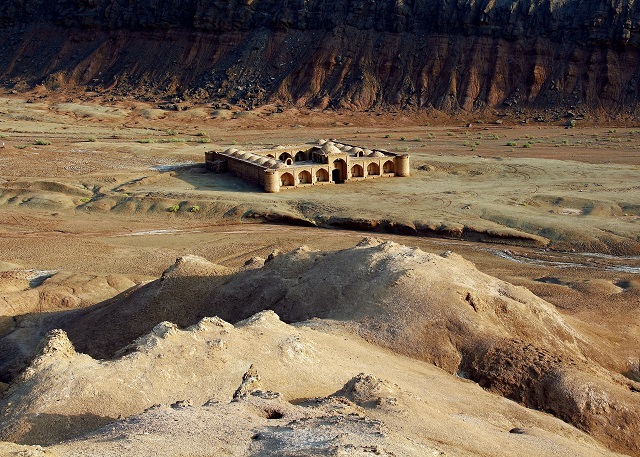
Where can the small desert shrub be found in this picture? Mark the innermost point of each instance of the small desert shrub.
(174, 208)
(449, 133)
(204, 140)
(512, 143)
(194, 209)
(177, 140)
(402, 138)
(91, 139)
(20, 146)
(201, 134)
(84, 199)
(172, 132)
(526, 145)
(417, 140)
(146, 141)
(387, 136)
(2, 135)
(42, 142)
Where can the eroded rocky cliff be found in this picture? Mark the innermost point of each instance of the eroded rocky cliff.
(533, 55)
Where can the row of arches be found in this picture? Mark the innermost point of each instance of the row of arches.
(304, 177)
(373, 169)
(287, 158)
(288, 179)
(357, 170)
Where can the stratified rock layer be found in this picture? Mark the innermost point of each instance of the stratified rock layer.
(559, 58)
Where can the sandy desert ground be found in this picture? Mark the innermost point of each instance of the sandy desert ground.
(87, 244)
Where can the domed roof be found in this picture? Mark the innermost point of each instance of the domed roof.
(261, 160)
(339, 145)
(367, 152)
(245, 155)
(321, 141)
(346, 148)
(230, 151)
(330, 148)
(356, 150)
(270, 163)
(376, 154)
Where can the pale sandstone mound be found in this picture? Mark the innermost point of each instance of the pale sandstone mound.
(438, 309)
(400, 407)
(105, 328)
(25, 291)
(399, 295)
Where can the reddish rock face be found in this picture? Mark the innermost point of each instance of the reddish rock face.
(552, 56)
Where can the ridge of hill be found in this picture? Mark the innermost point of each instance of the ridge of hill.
(552, 59)
(432, 308)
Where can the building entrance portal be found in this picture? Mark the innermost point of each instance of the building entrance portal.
(339, 173)
(335, 176)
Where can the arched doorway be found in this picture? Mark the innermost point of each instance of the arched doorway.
(389, 167)
(322, 175)
(357, 171)
(284, 156)
(300, 156)
(373, 169)
(339, 172)
(304, 177)
(287, 180)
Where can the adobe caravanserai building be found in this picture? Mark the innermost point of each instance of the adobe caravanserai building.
(313, 164)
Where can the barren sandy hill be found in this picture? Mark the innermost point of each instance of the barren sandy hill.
(221, 382)
(27, 291)
(434, 308)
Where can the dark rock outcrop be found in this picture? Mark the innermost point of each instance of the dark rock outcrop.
(514, 57)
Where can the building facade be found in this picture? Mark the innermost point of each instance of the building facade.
(314, 164)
